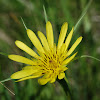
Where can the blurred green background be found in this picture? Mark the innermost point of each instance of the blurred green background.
(83, 74)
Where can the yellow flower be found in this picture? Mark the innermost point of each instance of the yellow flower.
(51, 60)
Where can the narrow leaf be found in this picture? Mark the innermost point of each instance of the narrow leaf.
(66, 88)
(82, 15)
(45, 14)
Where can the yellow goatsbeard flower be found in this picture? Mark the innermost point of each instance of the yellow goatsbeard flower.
(51, 61)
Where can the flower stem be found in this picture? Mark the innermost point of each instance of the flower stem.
(66, 79)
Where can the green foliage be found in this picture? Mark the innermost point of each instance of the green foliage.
(83, 74)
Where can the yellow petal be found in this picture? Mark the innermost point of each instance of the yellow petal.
(35, 40)
(28, 67)
(62, 34)
(43, 40)
(25, 48)
(63, 68)
(29, 77)
(32, 67)
(74, 45)
(39, 73)
(68, 39)
(43, 81)
(53, 78)
(21, 59)
(62, 49)
(23, 73)
(49, 32)
(65, 62)
(47, 75)
(54, 49)
(61, 75)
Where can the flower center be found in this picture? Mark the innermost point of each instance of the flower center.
(53, 64)
(50, 63)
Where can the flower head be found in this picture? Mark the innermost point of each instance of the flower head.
(51, 60)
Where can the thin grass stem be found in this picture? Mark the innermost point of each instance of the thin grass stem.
(90, 57)
(7, 89)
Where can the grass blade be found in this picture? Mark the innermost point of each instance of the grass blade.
(82, 15)
(83, 56)
(45, 14)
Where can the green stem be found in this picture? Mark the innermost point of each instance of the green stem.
(66, 79)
